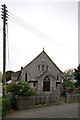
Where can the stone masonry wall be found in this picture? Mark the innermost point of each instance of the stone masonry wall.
(26, 102)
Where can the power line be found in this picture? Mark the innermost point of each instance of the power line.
(8, 47)
(28, 25)
(18, 49)
(28, 28)
(37, 32)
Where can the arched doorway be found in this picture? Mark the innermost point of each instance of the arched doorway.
(46, 83)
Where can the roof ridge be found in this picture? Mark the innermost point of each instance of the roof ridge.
(47, 56)
(52, 62)
(33, 59)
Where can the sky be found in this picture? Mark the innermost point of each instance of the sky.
(36, 24)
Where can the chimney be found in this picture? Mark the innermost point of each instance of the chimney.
(21, 68)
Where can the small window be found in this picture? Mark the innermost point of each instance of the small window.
(34, 84)
(56, 84)
(43, 67)
(25, 77)
(39, 67)
(46, 67)
(57, 77)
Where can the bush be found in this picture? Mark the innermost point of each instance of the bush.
(5, 106)
(63, 98)
(77, 84)
(21, 88)
(77, 90)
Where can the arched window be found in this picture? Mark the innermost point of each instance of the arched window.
(43, 67)
(46, 67)
(46, 78)
(25, 77)
(46, 83)
(39, 67)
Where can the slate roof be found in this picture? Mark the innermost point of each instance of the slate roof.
(47, 56)
(16, 74)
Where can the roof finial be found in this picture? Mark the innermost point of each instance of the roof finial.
(43, 48)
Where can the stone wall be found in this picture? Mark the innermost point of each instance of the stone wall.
(10, 97)
(72, 97)
(26, 102)
(33, 101)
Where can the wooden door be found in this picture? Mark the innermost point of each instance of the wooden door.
(46, 85)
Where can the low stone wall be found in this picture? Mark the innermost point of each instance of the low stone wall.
(18, 102)
(26, 102)
(72, 97)
(10, 97)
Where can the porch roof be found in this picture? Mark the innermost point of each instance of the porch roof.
(45, 73)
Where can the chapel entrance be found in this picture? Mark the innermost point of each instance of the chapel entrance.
(46, 84)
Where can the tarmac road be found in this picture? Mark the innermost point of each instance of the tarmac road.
(68, 110)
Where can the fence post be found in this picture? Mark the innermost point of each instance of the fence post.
(33, 102)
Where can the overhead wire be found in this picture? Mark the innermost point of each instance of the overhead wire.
(38, 32)
(28, 28)
(8, 46)
(28, 25)
(32, 29)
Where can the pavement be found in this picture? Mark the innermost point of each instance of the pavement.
(66, 110)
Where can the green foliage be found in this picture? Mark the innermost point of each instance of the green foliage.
(63, 98)
(77, 76)
(5, 106)
(68, 79)
(68, 84)
(77, 84)
(77, 90)
(8, 75)
(21, 88)
(77, 73)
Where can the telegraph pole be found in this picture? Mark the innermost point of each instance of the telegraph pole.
(4, 17)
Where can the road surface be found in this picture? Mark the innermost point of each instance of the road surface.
(68, 110)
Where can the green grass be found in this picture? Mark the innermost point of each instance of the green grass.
(63, 98)
(2, 98)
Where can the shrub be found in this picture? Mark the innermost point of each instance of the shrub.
(5, 106)
(77, 90)
(21, 88)
(63, 98)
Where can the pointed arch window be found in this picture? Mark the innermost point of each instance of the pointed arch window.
(46, 83)
(46, 67)
(43, 67)
(39, 67)
(47, 78)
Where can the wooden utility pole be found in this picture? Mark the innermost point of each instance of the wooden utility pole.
(4, 17)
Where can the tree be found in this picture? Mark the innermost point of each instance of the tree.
(68, 79)
(8, 75)
(77, 76)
